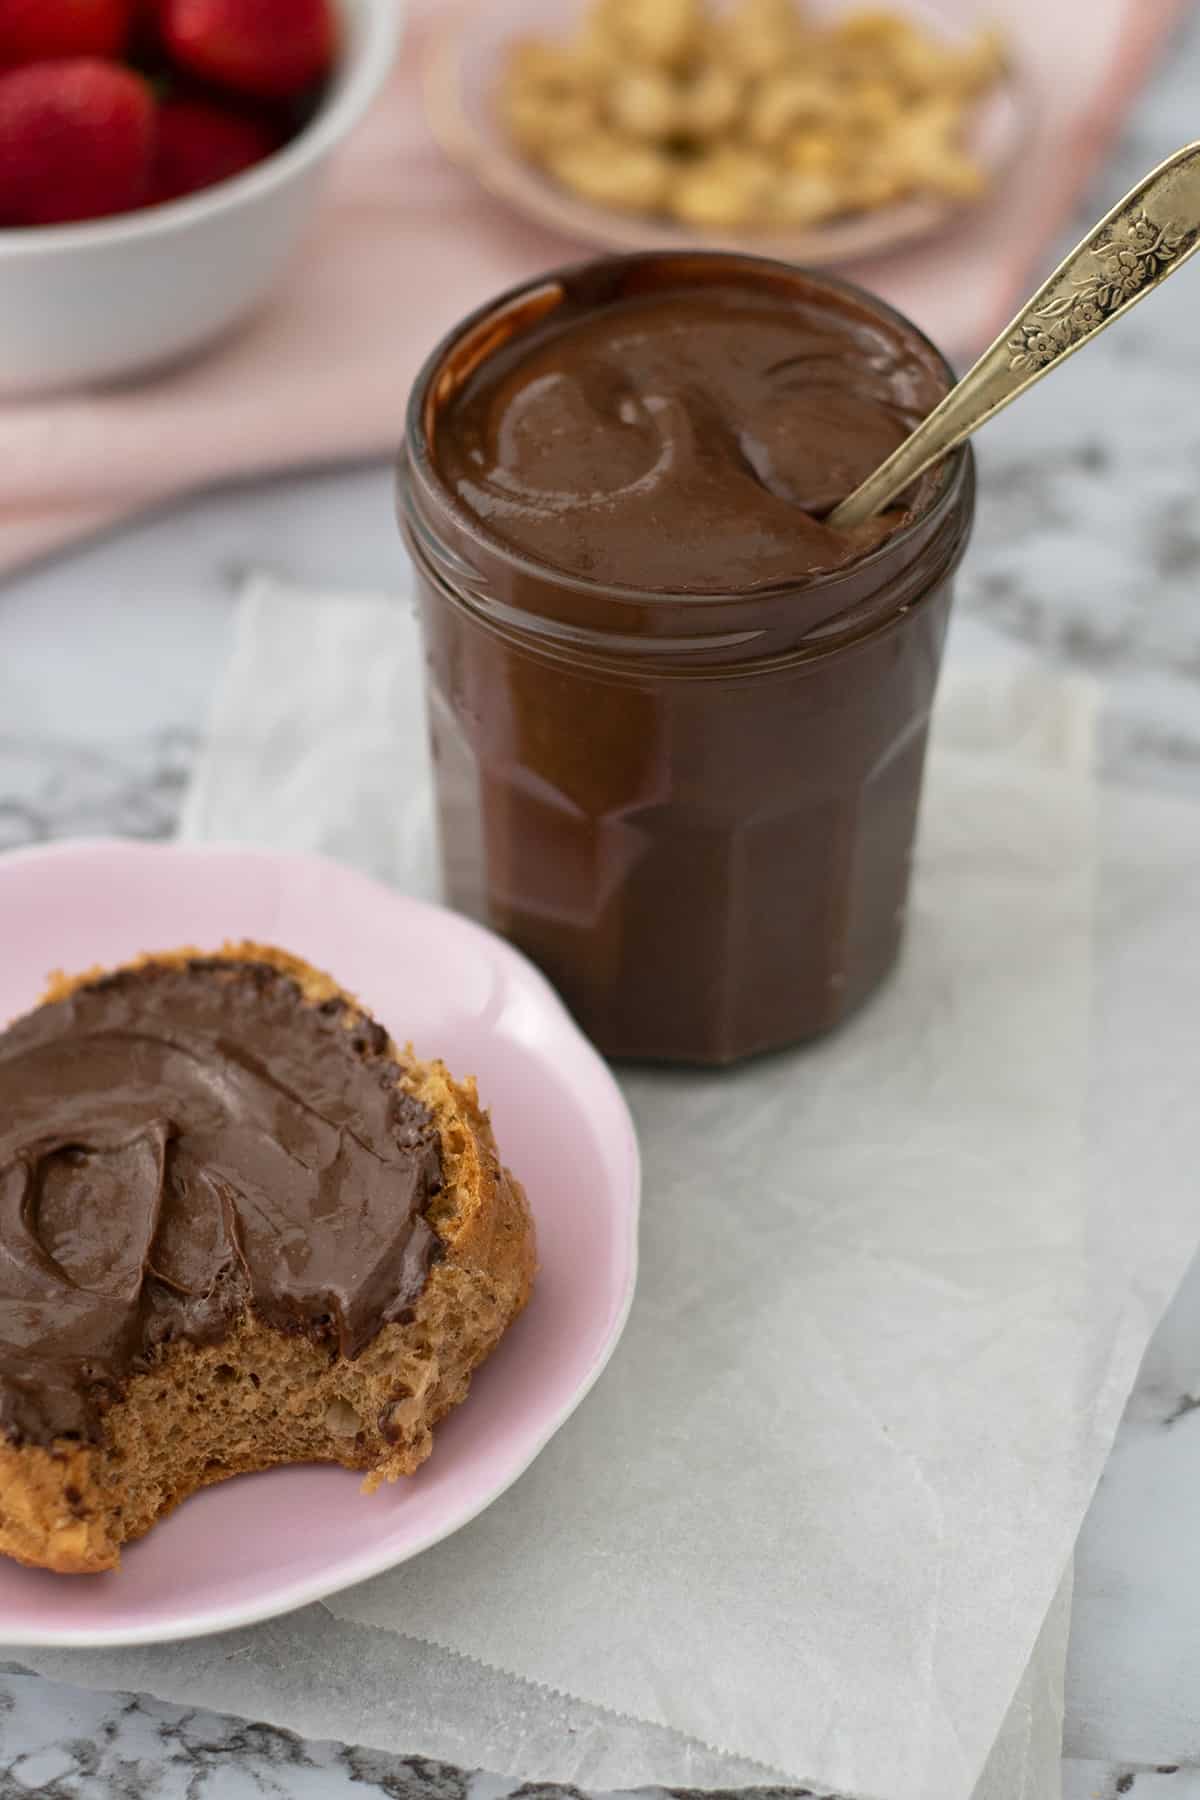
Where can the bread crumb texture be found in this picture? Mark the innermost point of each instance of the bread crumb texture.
(262, 1397)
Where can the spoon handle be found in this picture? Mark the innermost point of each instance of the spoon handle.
(1145, 238)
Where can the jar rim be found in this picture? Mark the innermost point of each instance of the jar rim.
(958, 465)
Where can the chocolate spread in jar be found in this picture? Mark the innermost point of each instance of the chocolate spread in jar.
(686, 440)
(180, 1143)
(678, 722)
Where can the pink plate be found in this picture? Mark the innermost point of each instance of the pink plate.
(462, 64)
(262, 1544)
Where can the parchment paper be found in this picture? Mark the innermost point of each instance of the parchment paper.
(894, 1291)
(816, 1514)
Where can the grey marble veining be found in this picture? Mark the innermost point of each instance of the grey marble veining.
(54, 788)
(1134, 1675)
(68, 1744)
(1111, 1781)
(1087, 550)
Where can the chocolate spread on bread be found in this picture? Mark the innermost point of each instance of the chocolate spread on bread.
(179, 1144)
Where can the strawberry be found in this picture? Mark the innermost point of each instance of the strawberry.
(200, 143)
(144, 33)
(76, 141)
(270, 49)
(38, 30)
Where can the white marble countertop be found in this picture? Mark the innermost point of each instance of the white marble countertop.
(1088, 549)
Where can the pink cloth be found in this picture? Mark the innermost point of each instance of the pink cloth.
(406, 244)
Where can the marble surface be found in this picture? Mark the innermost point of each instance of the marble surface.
(68, 1744)
(1088, 550)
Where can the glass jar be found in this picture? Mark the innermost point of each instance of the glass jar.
(694, 812)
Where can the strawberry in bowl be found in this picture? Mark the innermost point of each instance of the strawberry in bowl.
(77, 141)
(152, 192)
(38, 30)
(200, 143)
(269, 49)
(87, 87)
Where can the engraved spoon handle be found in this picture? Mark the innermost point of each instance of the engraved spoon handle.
(1149, 235)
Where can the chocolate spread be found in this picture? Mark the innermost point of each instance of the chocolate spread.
(178, 1144)
(686, 440)
(678, 722)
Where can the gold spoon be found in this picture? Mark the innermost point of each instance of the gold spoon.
(1150, 234)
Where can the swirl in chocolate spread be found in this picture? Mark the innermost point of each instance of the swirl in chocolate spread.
(178, 1143)
(686, 440)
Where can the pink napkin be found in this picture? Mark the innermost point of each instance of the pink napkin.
(406, 244)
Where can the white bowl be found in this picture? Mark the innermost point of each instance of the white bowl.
(99, 302)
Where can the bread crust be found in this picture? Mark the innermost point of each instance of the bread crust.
(262, 1397)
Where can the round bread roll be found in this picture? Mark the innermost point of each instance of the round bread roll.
(262, 1394)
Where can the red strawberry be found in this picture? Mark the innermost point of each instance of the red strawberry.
(270, 49)
(36, 30)
(76, 142)
(144, 35)
(200, 144)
